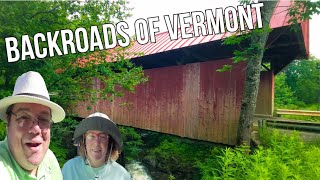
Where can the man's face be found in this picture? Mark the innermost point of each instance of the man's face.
(29, 134)
(96, 147)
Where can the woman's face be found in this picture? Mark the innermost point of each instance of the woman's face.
(96, 147)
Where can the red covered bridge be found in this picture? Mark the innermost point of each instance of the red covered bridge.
(185, 96)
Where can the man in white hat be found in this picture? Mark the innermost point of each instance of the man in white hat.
(29, 113)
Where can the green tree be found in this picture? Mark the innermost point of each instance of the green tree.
(303, 77)
(253, 54)
(283, 95)
(62, 140)
(66, 79)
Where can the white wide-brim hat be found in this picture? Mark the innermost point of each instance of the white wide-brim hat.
(31, 88)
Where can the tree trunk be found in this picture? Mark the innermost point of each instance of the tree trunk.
(252, 78)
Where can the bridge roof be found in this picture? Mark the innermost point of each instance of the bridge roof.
(166, 52)
(163, 43)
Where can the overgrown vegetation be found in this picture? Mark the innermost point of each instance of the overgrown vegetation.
(2, 130)
(61, 140)
(177, 157)
(133, 144)
(280, 156)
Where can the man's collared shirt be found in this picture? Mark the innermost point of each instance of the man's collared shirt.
(48, 169)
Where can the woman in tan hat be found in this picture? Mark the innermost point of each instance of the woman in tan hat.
(98, 139)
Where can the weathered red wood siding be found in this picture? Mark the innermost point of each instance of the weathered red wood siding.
(266, 94)
(190, 100)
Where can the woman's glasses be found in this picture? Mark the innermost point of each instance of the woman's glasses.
(90, 137)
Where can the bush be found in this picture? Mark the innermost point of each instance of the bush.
(2, 130)
(280, 157)
(61, 140)
(177, 156)
(132, 143)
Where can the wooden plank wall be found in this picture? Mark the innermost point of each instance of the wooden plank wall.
(190, 100)
(265, 98)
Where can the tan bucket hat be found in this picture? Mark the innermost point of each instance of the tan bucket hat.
(101, 122)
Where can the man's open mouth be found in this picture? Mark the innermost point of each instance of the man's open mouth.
(34, 147)
(33, 144)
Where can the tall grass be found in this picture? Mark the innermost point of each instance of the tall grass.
(280, 156)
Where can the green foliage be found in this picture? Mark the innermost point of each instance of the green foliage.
(177, 156)
(302, 10)
(60, 152)
(3, 130)
(61, 140)
(171, 177)
(284, 96)
(303, 77)
(243, 2)
(245, 50)
(133, 143)
(209, 167)
(280, 157)
(65, 75)
(224, 68)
